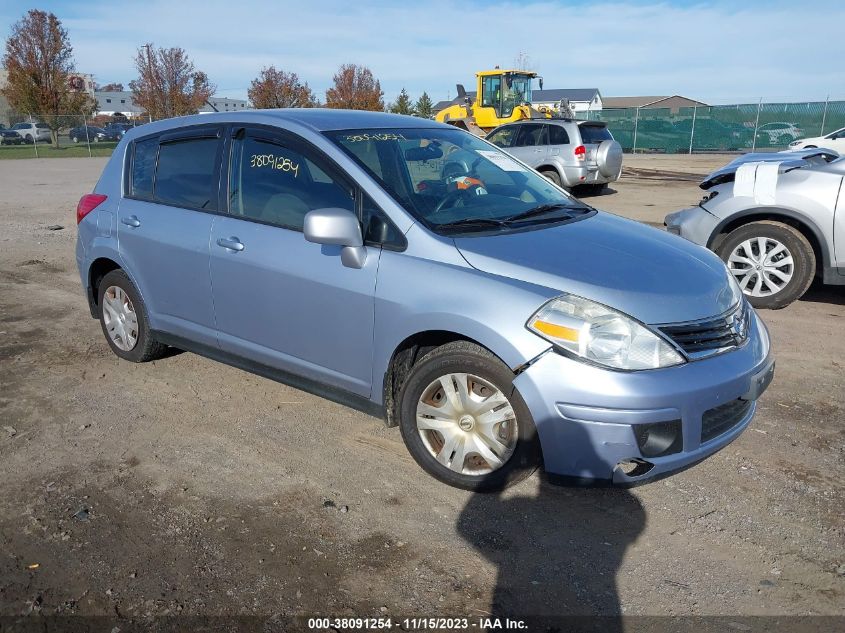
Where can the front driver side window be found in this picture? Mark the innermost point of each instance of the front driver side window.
(277, 182)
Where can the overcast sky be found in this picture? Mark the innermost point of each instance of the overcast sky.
(718, 52)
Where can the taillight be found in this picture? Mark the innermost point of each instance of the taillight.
(581, 152)
(87, 204)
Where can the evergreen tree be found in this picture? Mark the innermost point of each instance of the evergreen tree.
(403, 104)
(424, 107)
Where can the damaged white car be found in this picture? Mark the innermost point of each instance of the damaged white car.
(777, 220)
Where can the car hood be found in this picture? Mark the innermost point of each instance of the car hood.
(649, 274)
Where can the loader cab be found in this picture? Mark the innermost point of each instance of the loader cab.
(500, 92)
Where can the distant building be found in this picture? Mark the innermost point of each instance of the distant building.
(673, 102)
(580, 99)
(113, 103)
(224, 104)
(117, 102)
(81, 82)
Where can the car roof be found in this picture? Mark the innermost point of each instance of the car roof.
(318, 119)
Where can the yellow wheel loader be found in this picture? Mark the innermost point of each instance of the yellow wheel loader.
(502, 96)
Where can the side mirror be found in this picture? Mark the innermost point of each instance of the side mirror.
(337, 227)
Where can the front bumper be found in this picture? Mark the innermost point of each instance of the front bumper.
(694, 223)
(587, 417)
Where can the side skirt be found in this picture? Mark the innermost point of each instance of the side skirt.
(341, 396)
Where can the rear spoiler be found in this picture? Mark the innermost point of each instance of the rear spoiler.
(787, 161)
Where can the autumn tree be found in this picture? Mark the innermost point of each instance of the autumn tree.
(117, 87)
(403, 104)
(424, 107)
(39, 62)
(279, 89)
(168, 85)
(355, 88)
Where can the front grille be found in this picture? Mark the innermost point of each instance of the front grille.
(723, 418)
(711, 336)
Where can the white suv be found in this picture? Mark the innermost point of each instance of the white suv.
(32, 132)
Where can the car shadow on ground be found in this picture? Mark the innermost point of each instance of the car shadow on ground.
(586, 192)
(820, 293)
(556, 552)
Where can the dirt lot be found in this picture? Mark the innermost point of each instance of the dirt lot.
(187, 487)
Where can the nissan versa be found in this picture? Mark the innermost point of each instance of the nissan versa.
(408, 268)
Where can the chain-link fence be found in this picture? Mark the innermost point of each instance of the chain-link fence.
(25, 135)
(742, 127)
(725, 128)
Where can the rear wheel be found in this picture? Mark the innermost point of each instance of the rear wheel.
(464, 422)
(75, 139)
(553, 176)
(123, 317)
(773, 262)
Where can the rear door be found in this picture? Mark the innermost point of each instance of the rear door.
(531, 143)
(559, 141)
(279, 300)
(165, 219)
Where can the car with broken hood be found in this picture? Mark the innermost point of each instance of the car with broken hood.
(415, 271)
(776, 219)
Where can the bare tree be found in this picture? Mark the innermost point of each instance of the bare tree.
(39, 61)
(279, 89)
(168, 85)
(355, 88)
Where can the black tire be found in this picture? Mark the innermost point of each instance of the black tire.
(466, 357)
(146, 348)
(553, 176)
(803, 256)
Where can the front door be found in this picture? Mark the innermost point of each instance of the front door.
(279, 300)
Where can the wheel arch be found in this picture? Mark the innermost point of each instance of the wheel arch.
(796, 220)
(405, 356)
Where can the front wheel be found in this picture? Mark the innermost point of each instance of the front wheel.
(464, 422)
(773, 262)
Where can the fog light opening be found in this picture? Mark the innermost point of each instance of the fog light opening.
(634, 467)
(658, 439)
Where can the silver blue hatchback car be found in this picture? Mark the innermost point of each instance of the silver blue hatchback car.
(412, 270)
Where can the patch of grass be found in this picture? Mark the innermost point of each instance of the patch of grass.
(48, 151)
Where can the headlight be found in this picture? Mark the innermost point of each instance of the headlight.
(601, 335)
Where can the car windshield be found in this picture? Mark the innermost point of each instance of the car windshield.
(42, 126)
(453, 181)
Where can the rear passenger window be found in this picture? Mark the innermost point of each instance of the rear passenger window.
(275, 183)
(531, 134)
(558, 136)
(143, 168)
(186, 174)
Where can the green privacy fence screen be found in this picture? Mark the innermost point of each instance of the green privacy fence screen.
(743, 127)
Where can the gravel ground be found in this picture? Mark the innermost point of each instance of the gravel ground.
(188, 487)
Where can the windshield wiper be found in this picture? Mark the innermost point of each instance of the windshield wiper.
(472, 222)
(539, 210)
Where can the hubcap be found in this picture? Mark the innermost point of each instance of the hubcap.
(467, 424)
(120, 318)
(762, 266)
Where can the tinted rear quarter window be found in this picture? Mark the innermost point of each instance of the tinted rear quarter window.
(594, 133)
(143, 168)
(186, 173)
